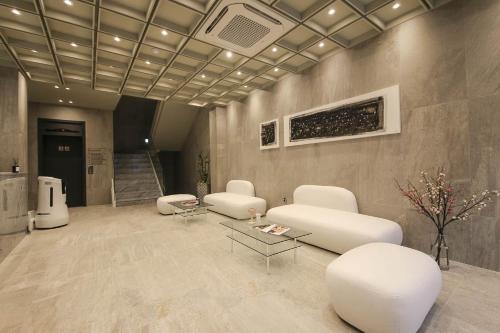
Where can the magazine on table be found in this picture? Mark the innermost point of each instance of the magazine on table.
(273, 229)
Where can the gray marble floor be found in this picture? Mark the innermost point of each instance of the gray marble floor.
(129, 269)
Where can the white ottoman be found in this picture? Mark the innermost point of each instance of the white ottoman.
(381, 287)
(163, 203)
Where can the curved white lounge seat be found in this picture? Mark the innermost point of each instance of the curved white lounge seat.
(164, 206)
(383, 288)
(235, 202)
(331, 214)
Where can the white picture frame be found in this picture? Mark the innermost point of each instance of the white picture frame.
(392, 117)
(276, 142)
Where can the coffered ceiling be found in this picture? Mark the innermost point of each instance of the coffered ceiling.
(147, 48)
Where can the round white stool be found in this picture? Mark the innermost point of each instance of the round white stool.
(164, 206)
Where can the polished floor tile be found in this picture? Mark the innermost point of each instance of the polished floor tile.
(130, 269)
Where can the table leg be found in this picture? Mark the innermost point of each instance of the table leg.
(232, 240)
(295, 250)
(267, 258)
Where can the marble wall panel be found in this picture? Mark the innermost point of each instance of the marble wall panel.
(447, 65)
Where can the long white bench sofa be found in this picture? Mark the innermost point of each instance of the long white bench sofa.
(331, 214)
(237, 200)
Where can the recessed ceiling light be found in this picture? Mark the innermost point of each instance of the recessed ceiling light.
(321, 44)
(203, 76)
(117, 39)
(67, 88)
(229, 54)
(34, 51)
(74, 44)
(396, 5)
(56, 86)
(238, 73)
(245, 86)
(148, 62)
(70, 102)
(274, 49)
(331, 11)
(164, 32)
(60, 101)
(156, 51)
(276, 69)
(68, 2)
(16, 12)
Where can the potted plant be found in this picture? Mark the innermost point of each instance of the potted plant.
(441, 203)
(202, 166)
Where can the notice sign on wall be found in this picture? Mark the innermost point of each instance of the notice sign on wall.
(96, 156)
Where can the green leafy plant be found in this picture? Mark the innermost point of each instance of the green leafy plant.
(202, 166)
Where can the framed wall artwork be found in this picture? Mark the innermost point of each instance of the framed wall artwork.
(269, 134)
(372, 114)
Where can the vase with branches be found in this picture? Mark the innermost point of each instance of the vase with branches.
(202, 166)
(442, 204)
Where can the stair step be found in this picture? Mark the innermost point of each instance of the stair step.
(131, 176)
(133, 170)
(121, 203)
(136, 187)
(130, 155)
(138, 194)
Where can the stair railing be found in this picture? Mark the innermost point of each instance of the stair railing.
(157, 171)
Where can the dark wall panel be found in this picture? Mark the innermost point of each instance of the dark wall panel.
(132, 120)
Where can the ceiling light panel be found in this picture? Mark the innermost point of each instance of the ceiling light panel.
(388, 14)
(199, 50)
(137, 9)
(25, 40)
(65, 48)
(274, 55)
(154, 54)
(328, 24)
(297, 63)
(229, 61)
(317, 52)
(79, 13)
(255, 67)
(26, 22)
(123, 47)
(355, 33)
(171, 42)
(70, 33)
(299, 39)
(120, 25)
(187, 64)
(176, 17)
(300, 9)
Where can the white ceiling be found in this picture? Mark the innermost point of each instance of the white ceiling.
(72, 94)
(172, 124)
(147, 48)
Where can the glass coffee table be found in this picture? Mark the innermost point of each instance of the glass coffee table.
(187, 208)
(263, 243)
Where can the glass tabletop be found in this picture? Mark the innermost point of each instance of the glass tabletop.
(184, 206)
(270, 239)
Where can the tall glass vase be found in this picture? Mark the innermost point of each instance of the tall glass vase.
(440, 252)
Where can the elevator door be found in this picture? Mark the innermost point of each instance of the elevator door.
(63, 158)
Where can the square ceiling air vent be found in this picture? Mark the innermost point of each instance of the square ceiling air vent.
(246, 28)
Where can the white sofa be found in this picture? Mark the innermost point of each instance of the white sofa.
(331, 214)
(235, 202)
(383, 288)
(164, 206)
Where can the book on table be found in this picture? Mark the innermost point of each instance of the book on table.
(273, 229)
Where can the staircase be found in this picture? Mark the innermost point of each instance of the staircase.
(135, 181)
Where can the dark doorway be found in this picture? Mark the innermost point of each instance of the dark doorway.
(61, 152)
